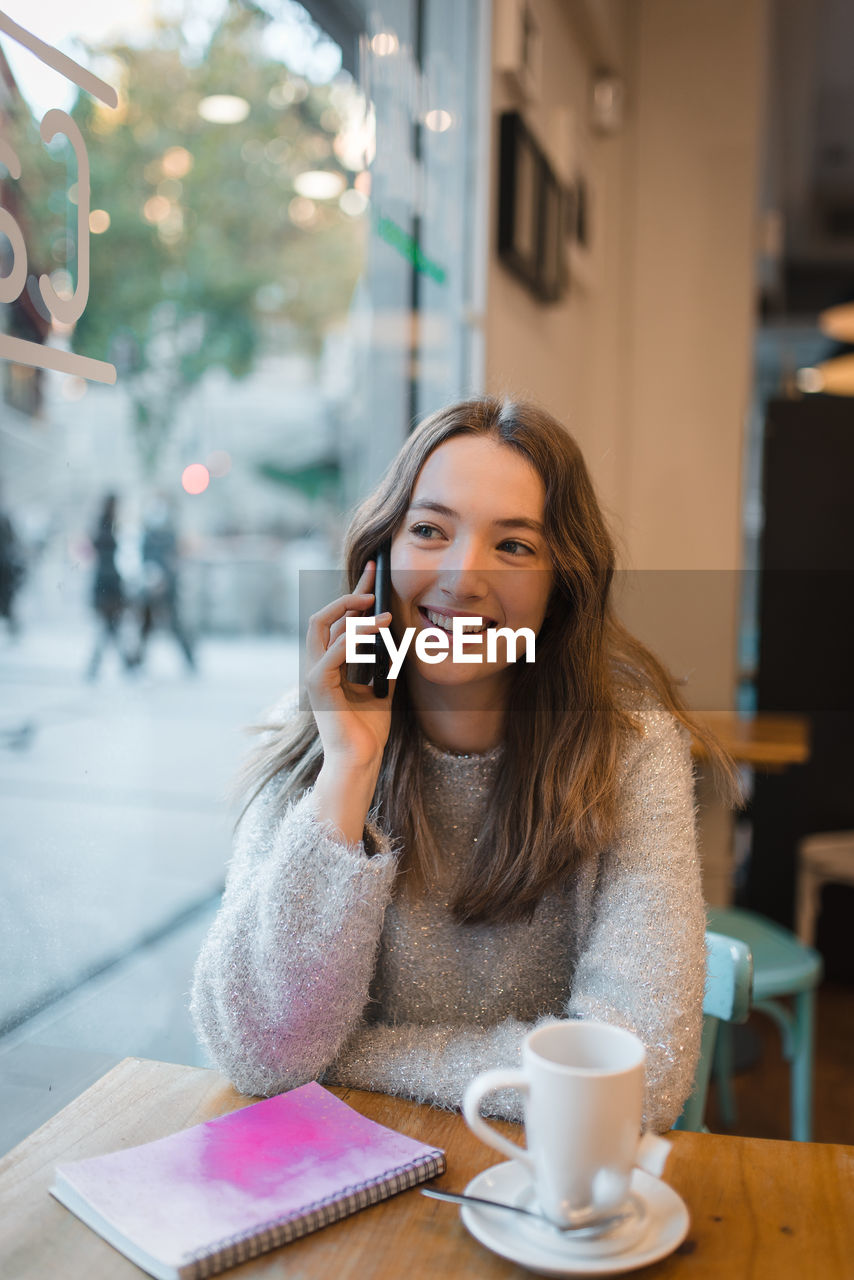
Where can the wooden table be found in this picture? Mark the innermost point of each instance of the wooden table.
(765, 740)
(759, 1210)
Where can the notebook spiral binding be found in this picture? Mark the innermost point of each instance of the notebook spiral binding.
(240, 1248)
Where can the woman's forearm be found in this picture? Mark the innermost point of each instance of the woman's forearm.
(283, 976)
(432, 1063)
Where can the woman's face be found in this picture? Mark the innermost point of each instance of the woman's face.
(471, 545)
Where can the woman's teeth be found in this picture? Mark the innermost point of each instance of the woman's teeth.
(442, 620)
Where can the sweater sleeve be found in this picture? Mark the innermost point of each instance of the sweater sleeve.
(643, 965)
(283, 976)
(434, 1063)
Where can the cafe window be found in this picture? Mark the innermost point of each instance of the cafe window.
(284, 272)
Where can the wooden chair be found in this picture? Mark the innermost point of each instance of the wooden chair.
(782, 966)
(826, 858)
(729, 976)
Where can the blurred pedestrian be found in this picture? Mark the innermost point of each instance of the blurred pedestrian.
(12, 570)
(159, 601)
(108, 593)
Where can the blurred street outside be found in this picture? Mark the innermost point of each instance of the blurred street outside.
(116, 829)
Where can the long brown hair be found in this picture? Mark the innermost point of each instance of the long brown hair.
(554, 798)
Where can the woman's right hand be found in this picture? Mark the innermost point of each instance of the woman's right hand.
(352, 723)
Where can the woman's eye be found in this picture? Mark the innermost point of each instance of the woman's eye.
(516, 548)
(426, 531)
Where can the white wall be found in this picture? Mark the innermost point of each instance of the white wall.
(650, 364)
(543, 351)
(696, 144)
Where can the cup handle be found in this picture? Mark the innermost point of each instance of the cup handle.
(652, 1154)
(485, 1083)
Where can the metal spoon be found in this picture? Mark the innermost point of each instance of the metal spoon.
(586, 1229)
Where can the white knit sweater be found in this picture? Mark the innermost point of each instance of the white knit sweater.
(318, 966)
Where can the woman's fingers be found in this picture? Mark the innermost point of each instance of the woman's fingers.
(321, 674)
(335, 654)
(320, 623)
(363, 587)
(329, 613)
(340, 626)
(329, 624)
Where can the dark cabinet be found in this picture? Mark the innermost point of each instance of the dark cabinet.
(806, 653)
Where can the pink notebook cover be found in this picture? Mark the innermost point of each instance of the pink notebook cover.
(210, 1189)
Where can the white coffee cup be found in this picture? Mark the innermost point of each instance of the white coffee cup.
(583, 1084)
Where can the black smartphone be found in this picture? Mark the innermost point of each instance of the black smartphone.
(382, 604)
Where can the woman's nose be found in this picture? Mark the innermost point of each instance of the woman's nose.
(462, 575)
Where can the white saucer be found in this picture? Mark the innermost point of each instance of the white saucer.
(545, 1250)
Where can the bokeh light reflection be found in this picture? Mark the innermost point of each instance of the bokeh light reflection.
(195, 478)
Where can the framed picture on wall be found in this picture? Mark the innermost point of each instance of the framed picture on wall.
(531, 221)
(518, 197)
(578, 233)
(570, 211)
(552, 270)
(582, 212)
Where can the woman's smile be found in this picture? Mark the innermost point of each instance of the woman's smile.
(444, 618)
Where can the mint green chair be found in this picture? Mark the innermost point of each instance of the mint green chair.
(782, 966)
(729, 974)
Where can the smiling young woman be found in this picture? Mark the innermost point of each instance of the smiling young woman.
(419, 879)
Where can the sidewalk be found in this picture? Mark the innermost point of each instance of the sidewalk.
(116, 832)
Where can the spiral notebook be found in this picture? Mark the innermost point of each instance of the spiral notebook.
(219, 1193)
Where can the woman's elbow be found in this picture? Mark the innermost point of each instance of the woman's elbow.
(670, 1081)
(256, 1064)
(260, 1057)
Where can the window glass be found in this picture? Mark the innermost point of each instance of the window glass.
(280, 249)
